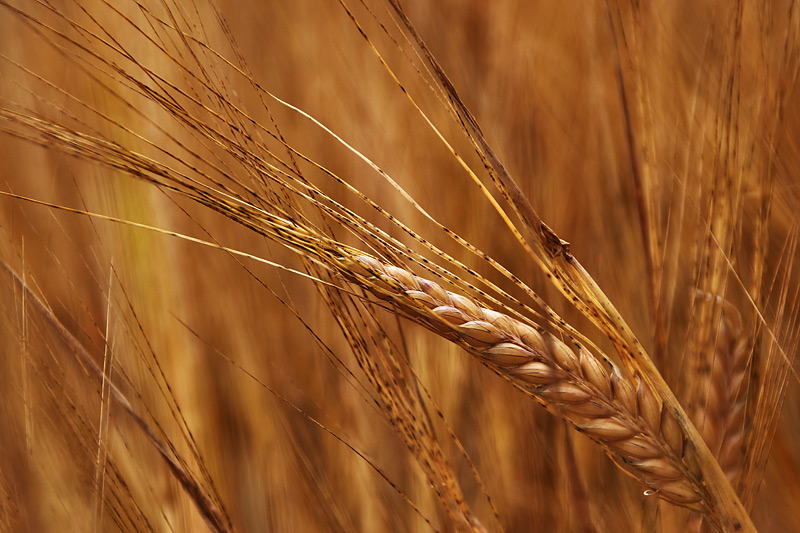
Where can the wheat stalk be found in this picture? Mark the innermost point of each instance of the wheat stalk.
(214, 516)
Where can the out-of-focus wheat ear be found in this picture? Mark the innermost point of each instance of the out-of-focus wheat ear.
(617, 411)
(720, 416)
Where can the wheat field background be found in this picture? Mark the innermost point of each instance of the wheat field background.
(659, 139)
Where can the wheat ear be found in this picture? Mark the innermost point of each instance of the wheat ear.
(618, 412)
(721, 416)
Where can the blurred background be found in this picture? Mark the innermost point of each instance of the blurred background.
(660, 140)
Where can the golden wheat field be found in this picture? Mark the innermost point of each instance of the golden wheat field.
(384, 265)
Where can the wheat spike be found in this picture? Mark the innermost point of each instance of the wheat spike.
(619, 413)
(721, 415)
